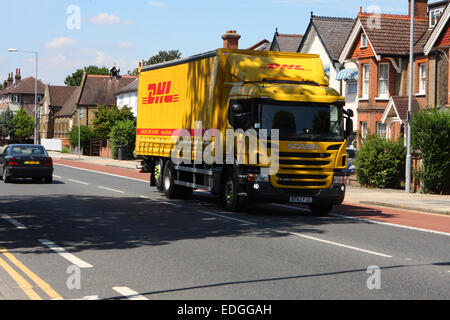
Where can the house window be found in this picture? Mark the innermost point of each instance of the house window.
(381, 129)
(16, 98)
(383, 80)
(363, 41)
(366, 78)
(39, 99)
(352, 87)
(434, 16)
(422, 78)
(363, 129)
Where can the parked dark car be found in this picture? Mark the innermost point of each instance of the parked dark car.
(26, 161)
(351, 152)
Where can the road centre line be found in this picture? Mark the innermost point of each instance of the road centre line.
(80, 182)
(340, 245)
(390, 224)
(37, 280)
(99, 172)
(66, 255)
(170, 203)
(13, 221)
(113, 190)
(129, 294)
(226, 217)
(21, 282)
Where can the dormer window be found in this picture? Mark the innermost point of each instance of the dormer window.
(363, 41)
(434, 16)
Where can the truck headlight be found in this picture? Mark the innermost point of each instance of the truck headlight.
(339, 180)
(258, 177)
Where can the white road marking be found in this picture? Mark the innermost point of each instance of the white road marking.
(170, 203)
(341, 245)
(144, 197)
(66, 255)
(13, 221)
(80, 182)
(129, 294)
(113, 190)
(104, 173)
(226, 217)
(58, 177)
(391, 224)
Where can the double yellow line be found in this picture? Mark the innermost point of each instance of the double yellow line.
(22, 282)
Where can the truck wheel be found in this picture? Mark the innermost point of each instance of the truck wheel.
(171, 190)
(230, 191)
(320, 209)
(158, 174)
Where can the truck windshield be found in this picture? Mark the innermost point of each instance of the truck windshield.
(306, 122)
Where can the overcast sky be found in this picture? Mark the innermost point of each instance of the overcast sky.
(72, 34)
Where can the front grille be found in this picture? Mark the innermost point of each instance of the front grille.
(303, 162)
(302, 183)
(304, 155)
(300, 176)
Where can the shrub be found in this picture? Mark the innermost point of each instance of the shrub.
(123, 133)
(23, 124)
(87, 134)
(431, 135)
(380, 163)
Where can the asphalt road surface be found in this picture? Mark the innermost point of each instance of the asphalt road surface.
(95, 236)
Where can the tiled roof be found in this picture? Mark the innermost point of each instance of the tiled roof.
(70, 105)
(333, 32)
(287, 42)
(132, 87)
(263, 45)
(100, 90)
(26, 86)
(401, 105)
(59, 94)
(392, 36)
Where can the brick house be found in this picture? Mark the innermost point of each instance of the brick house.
(379, 45)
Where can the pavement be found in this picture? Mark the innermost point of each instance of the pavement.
(393, 198)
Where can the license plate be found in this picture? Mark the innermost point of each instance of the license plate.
(294, 199)
(31, 162)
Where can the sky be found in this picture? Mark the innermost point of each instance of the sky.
(71, 34)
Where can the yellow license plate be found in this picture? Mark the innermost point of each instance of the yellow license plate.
(31, 162)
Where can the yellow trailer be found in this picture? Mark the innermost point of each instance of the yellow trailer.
(193, 113)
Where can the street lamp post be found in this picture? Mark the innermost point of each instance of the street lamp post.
(35, 92)
(410, 100)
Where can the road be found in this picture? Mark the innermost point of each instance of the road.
(96, 236)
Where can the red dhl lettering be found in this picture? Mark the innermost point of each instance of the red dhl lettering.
(160, 93)
(276, 66)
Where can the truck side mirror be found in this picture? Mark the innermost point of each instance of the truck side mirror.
(349, 127)
(237, 108)
(350, 113)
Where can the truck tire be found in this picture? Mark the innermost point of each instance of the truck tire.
(158, 174)
(171, 190)
(230, 191)
(320, 209)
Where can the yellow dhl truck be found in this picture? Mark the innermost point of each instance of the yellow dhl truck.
(205, 104)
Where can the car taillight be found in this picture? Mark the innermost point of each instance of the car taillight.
(48, 162)
(13, 162)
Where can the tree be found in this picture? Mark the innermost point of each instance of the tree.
(75, 78)
(106, 117)
(162, 56)
(6, 123)
(123, 133)
(23, 124)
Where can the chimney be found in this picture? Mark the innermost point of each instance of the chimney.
(10, 79)
(420, 8)
(231, 40)
(18, 76)
(5, 84)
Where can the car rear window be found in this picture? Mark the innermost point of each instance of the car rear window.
(29, 151)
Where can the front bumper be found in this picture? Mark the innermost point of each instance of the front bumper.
(264, 192)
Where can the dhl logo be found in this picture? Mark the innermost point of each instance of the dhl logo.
(160, 93)
(276, 66)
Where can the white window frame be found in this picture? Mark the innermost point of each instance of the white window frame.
(363, 41)
(383, 80)
(382, 129)
(364, 129)
(422, 78)
(434, 15)
(365, 88)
